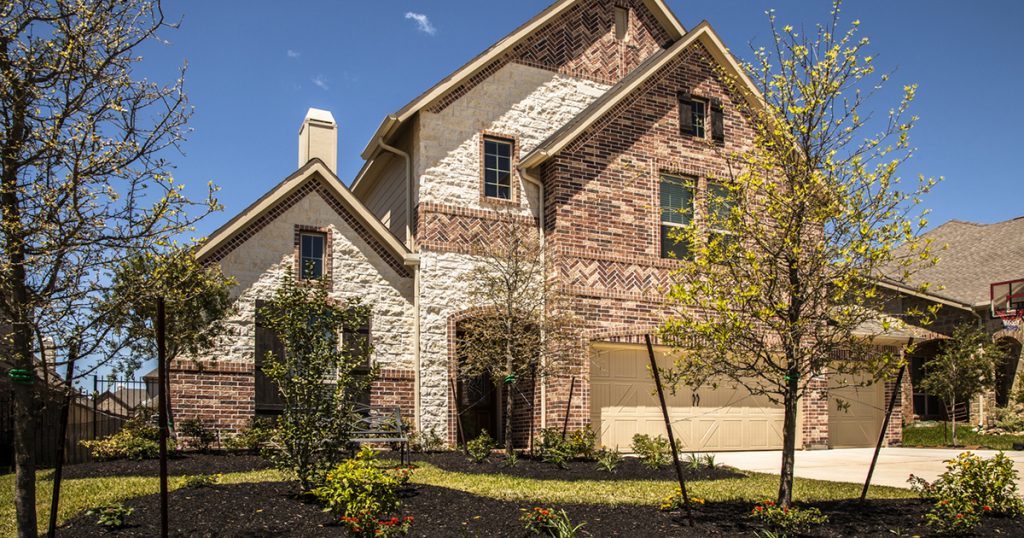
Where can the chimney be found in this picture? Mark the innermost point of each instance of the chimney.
(318, 139)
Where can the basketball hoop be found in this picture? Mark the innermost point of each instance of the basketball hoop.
(1008, 303)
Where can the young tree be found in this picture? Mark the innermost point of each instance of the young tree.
(315, 374)
(83, 183)
(523, 329)
(965, 367)
(786, 249)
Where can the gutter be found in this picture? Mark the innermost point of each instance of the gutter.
(410, 242)
(531, 178)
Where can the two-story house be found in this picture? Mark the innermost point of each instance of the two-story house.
(597, 120)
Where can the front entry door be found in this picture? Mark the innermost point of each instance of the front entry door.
(479, 407)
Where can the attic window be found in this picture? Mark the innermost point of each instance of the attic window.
(621, 22)
(692, 116)
(312, 256)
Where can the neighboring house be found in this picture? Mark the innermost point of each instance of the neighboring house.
(601, 119)
(122, 402)
(972, 257)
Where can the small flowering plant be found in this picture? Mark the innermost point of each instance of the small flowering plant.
(369, 525)
(787, 519)
(548, 522)
(971, 487)
(675, 501)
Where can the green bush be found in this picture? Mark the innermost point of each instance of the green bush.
(787, 520)
(137, 440)
(654, 452)
(112, 516)
(971, 488)
(480, 448)
(608, 460)
(576, 445)
(202, 480)
(363, 496)
(1009, 418)
(580, 444)
(253, 437)
(201, 436)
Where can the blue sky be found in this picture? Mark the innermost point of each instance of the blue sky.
(255, 67)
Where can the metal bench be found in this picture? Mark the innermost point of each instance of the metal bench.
(380, 425)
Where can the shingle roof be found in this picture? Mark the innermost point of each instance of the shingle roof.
(977, 255)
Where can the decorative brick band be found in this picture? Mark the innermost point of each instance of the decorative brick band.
(312, 185)
(444, 228)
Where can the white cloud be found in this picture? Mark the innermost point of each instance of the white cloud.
(422, 23)
(293, 53)
(320, 82)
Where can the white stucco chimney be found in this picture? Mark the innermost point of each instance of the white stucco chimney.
(318, 139)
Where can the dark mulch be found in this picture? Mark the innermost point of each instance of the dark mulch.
(272, 510)
(179, 465)
(629, 469)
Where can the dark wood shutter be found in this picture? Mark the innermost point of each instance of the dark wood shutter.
(686, 126)
(717, 123)
(358, 341)
(268, 398)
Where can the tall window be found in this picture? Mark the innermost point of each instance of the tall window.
(311, 255)
(720, 204)
(676, 214)
(692, 116)
(498, 168)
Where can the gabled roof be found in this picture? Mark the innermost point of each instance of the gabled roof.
(702, 33)
(392, 122)
(976, 256)
(311, 171)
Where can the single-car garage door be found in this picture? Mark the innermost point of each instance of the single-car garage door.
(860, 423)
(623, 404)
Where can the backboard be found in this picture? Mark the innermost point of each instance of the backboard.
(1008, 299)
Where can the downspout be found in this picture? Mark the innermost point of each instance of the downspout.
(410, 242)
(529, 177)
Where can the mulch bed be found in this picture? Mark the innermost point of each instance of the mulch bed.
(179, 465)
(629, 469)
(272, 510)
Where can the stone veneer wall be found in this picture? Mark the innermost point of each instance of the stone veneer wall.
(220, 385)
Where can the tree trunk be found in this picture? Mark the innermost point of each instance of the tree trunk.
(788, 443)
(509, 401)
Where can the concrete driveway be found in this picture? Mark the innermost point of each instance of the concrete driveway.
(894, 466)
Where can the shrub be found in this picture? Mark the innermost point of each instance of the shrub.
(253, 437)
(970, 488)
(111, 516)
(675, 501)
(786, 520)
(1009, 418)
(580, 443)
(137, 440)
(608, 460)
(480, 448)
(577, 445)
(201, 436)
(653, 452)
(511, 459)
(557, 456)
(546, 521)
(363, 496)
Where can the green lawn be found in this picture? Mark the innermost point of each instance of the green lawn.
(82, 494)
(933, 436)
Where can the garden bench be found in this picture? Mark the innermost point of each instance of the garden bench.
(380, 425)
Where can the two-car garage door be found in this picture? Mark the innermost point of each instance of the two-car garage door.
(623, 404)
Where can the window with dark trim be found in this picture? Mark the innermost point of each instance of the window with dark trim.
(312, 247)
(498, 168)
(676, 195)
(692, 116)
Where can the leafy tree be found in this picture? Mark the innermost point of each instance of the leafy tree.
(964, 367)
(524, 328)
(786, 248)
(84, 184)
(316, 375)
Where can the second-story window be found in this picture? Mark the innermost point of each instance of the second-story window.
(720, 203)
(498, 168)
(311, 255)
(676, 215)
(692, 116)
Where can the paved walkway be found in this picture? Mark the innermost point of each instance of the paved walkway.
(894, 466)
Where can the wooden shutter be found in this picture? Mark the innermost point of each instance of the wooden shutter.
(268, 398)
(717, 123)
(358, 341)
(686, 126)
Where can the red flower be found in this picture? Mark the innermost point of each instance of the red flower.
(959, 516)
(758, 508)
(986, 508)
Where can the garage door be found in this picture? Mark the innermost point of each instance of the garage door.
(623, 404)
(858, 425)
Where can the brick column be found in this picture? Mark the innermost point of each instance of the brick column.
(815, 413)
